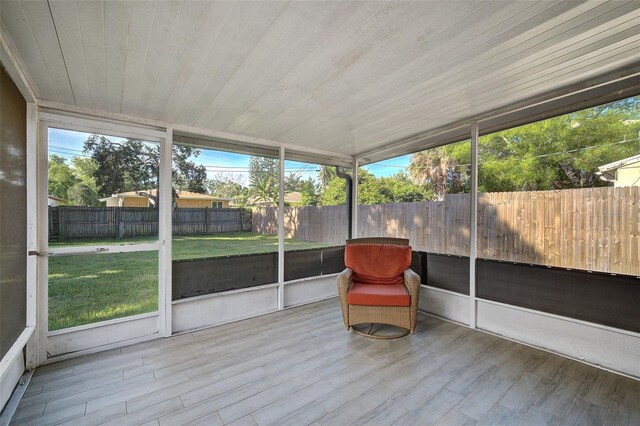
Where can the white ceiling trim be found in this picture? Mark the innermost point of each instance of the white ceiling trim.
(12, 63)
(193, 132)
(606, 88)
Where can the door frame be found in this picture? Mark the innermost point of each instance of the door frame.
(61, 344)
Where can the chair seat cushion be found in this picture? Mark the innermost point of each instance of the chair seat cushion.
(379, 295)
(377, 263)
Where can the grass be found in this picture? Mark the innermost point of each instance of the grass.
(85, 289)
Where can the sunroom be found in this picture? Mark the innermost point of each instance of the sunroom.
(178, 180)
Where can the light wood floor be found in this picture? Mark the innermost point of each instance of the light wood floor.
(300, 367)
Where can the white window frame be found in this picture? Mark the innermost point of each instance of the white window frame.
(37, 353)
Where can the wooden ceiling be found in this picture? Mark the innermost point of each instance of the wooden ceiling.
(347, 77)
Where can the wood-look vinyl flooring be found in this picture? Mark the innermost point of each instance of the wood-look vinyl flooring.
(299, 366)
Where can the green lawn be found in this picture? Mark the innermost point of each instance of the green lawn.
(90, 288)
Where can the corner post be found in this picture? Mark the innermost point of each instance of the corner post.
(473, 228)
(281, 230)
(165, 295)
(354, 199)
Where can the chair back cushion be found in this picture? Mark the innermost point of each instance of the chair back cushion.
(377, 263)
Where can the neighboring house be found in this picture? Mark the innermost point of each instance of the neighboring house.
(293, 198)
(54, 201)
(148, 197)
(625, 172)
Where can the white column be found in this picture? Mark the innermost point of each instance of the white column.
(473, 247)
(165, 235)
(281, 231)
(354, 199)
(32, 235)
(42, 177)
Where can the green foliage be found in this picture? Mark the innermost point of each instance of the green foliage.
(263, 179)
(309, 190)
(134, 165)
(335, 193)
(85, 169)
(187, 175)
(293, 182)
(558, 153)
(61, 177)
(82, 194)
(398, 188)
(229, 186)
(443, 169)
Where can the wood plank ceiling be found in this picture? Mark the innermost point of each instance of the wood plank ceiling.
(346, 77)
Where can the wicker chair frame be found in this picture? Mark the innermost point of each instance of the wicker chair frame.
(399, 316)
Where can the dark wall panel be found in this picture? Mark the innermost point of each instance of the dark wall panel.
(197, 277)
(313, 262)
(13, 212)
(302, 263)
(446, 272)
(594, 297)
(333, 260)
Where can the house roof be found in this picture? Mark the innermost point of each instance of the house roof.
(607, 172)
(620, 163)
(348, 78)
(185, 195)
(292, 197)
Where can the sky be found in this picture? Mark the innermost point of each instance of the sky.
(68, 144)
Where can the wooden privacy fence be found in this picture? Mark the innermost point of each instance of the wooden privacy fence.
(592, 229)
(69, 222)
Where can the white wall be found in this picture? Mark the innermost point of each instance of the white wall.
(610, 348)
(10, 377)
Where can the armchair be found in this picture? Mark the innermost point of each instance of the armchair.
(378, 287)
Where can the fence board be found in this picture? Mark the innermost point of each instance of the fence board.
(590, 229)
(70, 222)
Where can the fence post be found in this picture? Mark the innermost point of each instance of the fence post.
(206, 220)
(60, 224)
(116, 222)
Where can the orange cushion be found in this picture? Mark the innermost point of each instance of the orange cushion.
(379, 295)
(377, 263)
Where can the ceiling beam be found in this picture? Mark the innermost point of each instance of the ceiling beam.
(196, 133)
(606, 88)
(14, 67)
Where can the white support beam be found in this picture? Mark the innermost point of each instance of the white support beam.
(354, 200)
(42, 176)
(191, 131)
(473, 243)
(14, 66)
(165, 235)
(32, 234)
(281, 230)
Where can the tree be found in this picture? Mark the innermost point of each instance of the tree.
(309, 191)
(82, 194)
(440, 170)
(187, 175)
(133, 165)
(263, 179)
(558, 153)
(229, 186)
(85, 169)
(293, 182)
(398, 188)
(61, 177)
(326, 175)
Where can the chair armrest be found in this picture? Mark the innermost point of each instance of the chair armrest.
(412, 283)
(344, 284)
